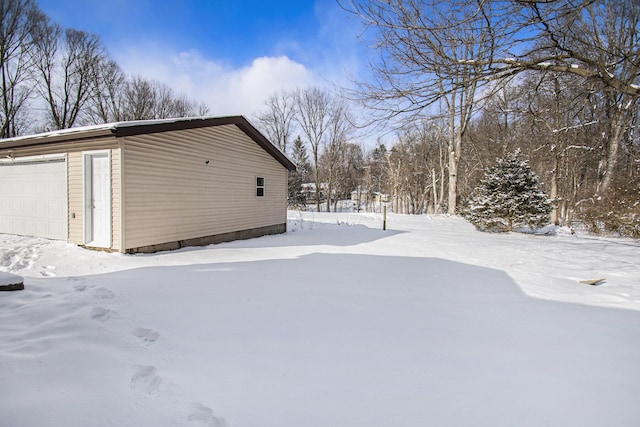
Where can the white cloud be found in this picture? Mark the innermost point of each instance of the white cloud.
(225, 89)
(265, 76)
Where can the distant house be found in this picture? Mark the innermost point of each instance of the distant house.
(360, 195)
(144, 186)
(380, 197)
(364, 196)
(308, 190)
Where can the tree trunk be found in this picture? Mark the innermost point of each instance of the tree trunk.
(317, 178)
(614, 139)
(554, 189)
(454, 157)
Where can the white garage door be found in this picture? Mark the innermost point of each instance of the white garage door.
(33, 198)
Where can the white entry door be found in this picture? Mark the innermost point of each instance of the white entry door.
(97, 200)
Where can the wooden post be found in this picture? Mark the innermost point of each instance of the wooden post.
(384, 218)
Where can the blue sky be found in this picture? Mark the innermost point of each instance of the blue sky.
(229, 54)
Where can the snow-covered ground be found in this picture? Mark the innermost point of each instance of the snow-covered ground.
(336, 323)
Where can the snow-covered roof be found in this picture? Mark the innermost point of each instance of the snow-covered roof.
(141, 127)
(97, 128)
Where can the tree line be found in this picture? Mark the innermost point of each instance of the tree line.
(56, 78)
(561, 128)
(326, 123)
(465, 82)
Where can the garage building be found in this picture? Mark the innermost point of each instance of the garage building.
(144, 186)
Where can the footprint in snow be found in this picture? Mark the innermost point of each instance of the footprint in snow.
(104, 294)
(203, 415)
(146, 380)
(147, 337)
(101, 314)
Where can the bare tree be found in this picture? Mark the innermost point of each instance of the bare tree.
(348, 171)
(432, 159)
(430, 52)
(313, 114)
(340, 125)
(139, 99)
(466, 44)
(66, 62)
(145, 99)
(67, 77)
(597, 41)
(18, 19)
(184, 107)
(106, 104)
(554, 107)
(417, 165)
(163, 107)
(278, 119)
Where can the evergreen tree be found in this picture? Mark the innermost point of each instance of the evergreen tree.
(508, 195)
(300, 157)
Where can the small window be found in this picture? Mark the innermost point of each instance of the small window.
(259, 186)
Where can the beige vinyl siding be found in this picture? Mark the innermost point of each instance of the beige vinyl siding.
(173, 194)
(75, 181)
(116, 199)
